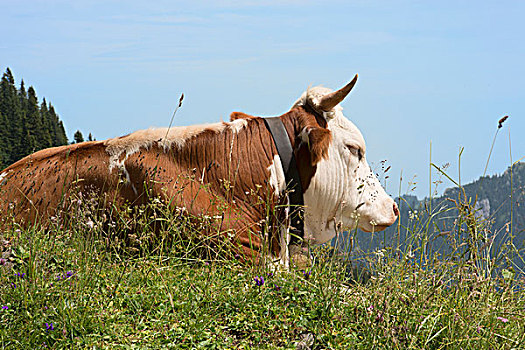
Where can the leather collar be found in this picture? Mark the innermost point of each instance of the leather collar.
(294, 190)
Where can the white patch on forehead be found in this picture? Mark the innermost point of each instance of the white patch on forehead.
(346, 130)
(312, 96)
(277, 180)
(123, 147)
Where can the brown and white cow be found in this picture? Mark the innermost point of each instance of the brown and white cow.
(236, 162)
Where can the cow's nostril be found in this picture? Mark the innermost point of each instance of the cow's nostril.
(396, 211)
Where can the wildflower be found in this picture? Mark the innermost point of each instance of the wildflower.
(307, 273)
(21, 275)
(502, 319)
(2, 261)
(370, 308)
(277, 287)
(5, 307)
(270, 274)
(49, 326)
(259, 281)
(379, 317)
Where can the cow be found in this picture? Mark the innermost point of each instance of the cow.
(231, 170)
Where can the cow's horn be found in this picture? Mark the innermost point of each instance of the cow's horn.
(331, 100)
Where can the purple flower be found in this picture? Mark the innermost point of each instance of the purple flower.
(2, 261)
(307, 273)
(259, 281)
(21, 275)
(49, 326)
(502, 319)
(65, 276)
(277, 287)
(5, 307)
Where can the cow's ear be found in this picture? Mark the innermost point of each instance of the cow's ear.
(240, 115)
(318, 140)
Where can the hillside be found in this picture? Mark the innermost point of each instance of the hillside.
(496, 202)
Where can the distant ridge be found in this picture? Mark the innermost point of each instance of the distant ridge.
(493, 197)
(499, 210)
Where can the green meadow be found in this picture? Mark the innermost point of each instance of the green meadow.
(150, 282)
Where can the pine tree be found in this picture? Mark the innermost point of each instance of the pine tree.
(90, 137)
(9, 76)
(13, 114)
(59, 137)
(22, 94)
(33, 122)
(4, 149)
(25, 126)
(78, 137)
(48, 126)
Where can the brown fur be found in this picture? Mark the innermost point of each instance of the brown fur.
(240, 115)
(214, 173)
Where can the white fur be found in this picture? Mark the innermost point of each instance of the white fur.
(277, 179)
(2, 175)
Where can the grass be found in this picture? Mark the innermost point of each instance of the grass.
(73, 287)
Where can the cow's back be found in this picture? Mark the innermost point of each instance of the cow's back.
(37, 185)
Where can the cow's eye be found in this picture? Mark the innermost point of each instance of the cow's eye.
(356, 151)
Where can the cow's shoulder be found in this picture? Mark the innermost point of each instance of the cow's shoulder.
(241, 115)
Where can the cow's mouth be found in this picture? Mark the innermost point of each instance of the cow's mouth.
(374, 228)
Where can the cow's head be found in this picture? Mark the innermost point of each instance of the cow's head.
(343, 190)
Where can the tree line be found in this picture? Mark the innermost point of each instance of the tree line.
(26, 125)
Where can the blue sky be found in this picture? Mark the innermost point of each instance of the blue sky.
(440, 72)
